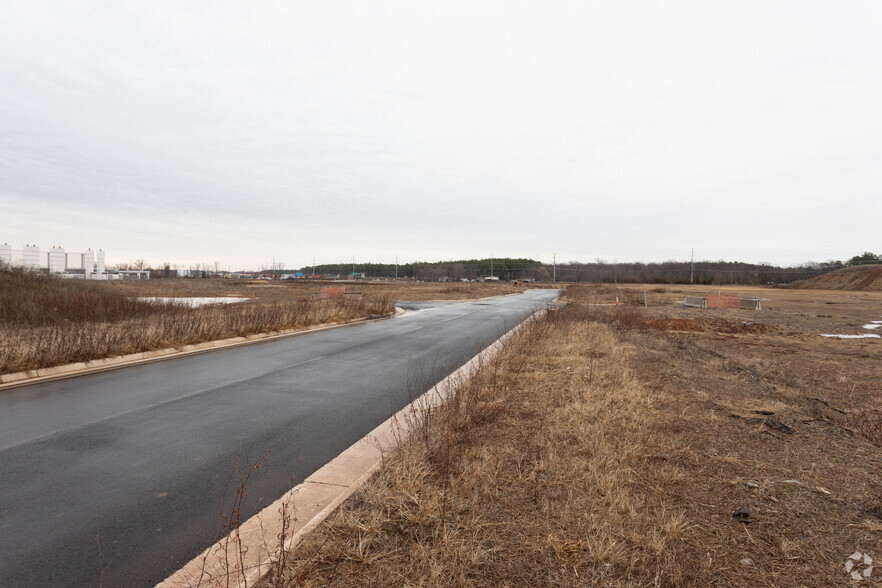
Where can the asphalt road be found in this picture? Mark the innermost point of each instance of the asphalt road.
(132, 470)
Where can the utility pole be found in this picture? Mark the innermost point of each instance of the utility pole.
(554, 269)
(692, 271)
(491, 264)
(353, 267)
(396, 267)
(313, 266)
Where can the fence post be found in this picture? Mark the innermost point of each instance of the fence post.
(645, 303)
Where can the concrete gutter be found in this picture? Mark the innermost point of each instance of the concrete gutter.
(249, 552)
(71, 370)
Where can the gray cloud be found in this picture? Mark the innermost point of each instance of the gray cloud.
(241, 131)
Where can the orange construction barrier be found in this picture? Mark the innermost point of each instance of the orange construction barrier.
(720, 300)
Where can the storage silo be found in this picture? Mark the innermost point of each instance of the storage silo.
(31, 256)
(57, 260)
(6, 254)
(89, 263)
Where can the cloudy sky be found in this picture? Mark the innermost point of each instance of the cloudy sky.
(241, 131)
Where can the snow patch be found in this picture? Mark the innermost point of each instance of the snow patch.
(868, 336)
(193, 302)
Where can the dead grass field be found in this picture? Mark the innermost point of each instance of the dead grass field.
(611, 446)
(46, 322)
(297, 290)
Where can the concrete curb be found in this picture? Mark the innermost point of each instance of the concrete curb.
(72, 370)
(247, 554)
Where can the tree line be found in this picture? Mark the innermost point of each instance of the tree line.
(507, 268)
(503, 268)
(667, 272)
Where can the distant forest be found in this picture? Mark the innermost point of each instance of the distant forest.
(667, 272)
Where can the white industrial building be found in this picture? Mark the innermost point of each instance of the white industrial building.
(85, 266)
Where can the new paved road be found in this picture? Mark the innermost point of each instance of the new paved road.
(139, 461)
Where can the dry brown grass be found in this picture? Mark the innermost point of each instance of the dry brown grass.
(304, 289)
(865, 277)
(604, 448)
(46, 321)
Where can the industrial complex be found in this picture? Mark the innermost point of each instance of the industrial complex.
(88, 265)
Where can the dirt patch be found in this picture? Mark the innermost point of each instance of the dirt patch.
(709, 325)
(866, 277)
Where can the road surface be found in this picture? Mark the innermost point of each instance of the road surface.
(132, 470)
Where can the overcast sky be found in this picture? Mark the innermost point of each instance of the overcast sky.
(241, 131)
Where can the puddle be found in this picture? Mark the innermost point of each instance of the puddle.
(193, 302)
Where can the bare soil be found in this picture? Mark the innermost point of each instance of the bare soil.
(613, 445)
(865, 277)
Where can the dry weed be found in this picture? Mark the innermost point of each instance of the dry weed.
(46, 321)
(600, 450)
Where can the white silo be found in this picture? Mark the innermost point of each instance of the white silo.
(31, 256)
(100, 269)
(6, 254)
(89, 263)
(57, 260)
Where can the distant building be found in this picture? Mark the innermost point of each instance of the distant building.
(134, 274)
(67, 264)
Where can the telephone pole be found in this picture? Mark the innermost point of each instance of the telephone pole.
(554, 269)
(396, 267)
(491, 264)
(692, 271)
